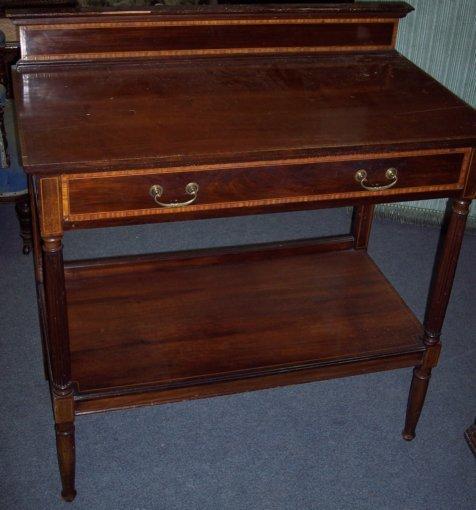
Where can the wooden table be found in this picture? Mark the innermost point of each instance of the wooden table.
(181, 114)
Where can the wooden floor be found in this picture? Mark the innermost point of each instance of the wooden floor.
(161, 322)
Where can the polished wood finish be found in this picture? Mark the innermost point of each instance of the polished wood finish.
(361, 225)
(445, 270)
(50, 206)
(470, 190)
(94, 403)
(97, 196)
(333, 9)
(38, 266)
(195, 329)
(9, 55)
(59, 363)
(10, 50)
(65, 445)
(165, 38)
(56, 315)
(439, 296)
(233, 253)
(259, 131)
(196, 112)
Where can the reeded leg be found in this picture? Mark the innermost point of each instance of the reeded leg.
(59, 355)
(62, 391)
(38, 264)
(438, 299)
(65, 447)
(22, 208)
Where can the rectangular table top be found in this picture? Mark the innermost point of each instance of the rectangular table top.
(112, 115)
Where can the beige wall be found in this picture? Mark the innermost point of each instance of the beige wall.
(7, 27)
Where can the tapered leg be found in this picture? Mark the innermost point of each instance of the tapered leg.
(416, 399)
(362, 225)
(438, 299)
(22, 208)
(65, 447)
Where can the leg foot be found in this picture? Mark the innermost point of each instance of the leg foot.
(416, 399)
(66, 458)
(470, 436)
(68, 496)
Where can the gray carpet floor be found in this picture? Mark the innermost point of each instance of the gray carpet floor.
(325, 445)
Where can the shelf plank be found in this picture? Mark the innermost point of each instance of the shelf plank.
(221, 318)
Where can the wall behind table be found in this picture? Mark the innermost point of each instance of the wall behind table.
(440, 37)
(8, 28)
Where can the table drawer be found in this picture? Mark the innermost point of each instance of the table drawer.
(175, 190)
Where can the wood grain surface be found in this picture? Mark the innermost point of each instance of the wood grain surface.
(122, 194)
(223, 317)
(114, 116)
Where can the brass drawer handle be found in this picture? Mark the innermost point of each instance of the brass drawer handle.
(157, 190)
(391, 174)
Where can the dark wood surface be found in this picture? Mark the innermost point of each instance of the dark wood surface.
(224, 10)
(222, 317)
(62, 44)
(438, 299)
(100, 195)
(9, 55)
(258, 133)
(93, 403)
(145, 115)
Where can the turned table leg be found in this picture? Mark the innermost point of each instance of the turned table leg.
(38, 265)
(438, 299)
(58, 349)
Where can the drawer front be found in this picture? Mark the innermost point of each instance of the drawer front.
(121, 194)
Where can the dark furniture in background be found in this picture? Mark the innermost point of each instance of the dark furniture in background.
(11, 5)
(470, 436)
(10, 51)
(9, 54)
(232, 110)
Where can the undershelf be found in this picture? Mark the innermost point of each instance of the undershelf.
(209, 323)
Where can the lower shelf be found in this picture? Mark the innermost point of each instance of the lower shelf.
(165, 325)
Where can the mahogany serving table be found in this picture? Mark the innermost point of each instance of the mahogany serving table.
(175, 114)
